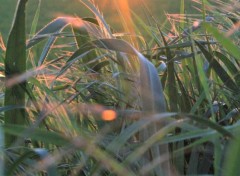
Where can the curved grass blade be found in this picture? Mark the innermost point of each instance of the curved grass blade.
(120, 140)
(82, 36)
(210, 124)
(229, 65)
(51, 30)
(151, 93)
(224, 41)
(53, 27)
(223, 75)
(151, 141)
(151, 89)
(99, 17)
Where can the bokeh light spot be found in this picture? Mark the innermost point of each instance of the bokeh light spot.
(109, 115)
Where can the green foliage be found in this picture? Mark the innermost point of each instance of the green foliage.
(15, 63)
(97, 105)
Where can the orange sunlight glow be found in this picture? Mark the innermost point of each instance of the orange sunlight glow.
(124, 11)
(75, 21)
(109, 115)
(124, 8)
(104, 3)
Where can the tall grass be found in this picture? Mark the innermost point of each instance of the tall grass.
(15, 63)
(105, 103)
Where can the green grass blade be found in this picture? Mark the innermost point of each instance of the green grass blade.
(224, 41)
(218, 156)
(46, 50)
(232, 68)
(2, 168)
(210, 124)
(54, 27)
(82, 36)
(36, 134)
(231, 166)
(198, 103)
(223, 75)
(182, 11)
(151, 141)
(120, 140)
(35, 19)
(151, 92)
(15, 63)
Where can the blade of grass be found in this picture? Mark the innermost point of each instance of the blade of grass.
(218, 156)
(223, 75)
(99, 17)
(224, 41)
(182, 11)
(37, 134)
(233, 69)
(232, 159)
(2, 168)
(35, 19)
(53, 27)
(120, 140)
(151, 91)
(15, 63)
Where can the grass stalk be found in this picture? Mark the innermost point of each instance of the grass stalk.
(15, 64)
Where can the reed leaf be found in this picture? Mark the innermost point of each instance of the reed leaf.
(151, 93)
(2, 168)
(230, 166)
(15, 63)
(226, 79)
(224, 41)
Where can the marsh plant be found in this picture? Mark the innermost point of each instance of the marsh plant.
(80, 98)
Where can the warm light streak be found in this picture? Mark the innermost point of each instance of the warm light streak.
(125, 13)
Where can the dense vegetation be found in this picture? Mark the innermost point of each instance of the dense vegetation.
(80, 98)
